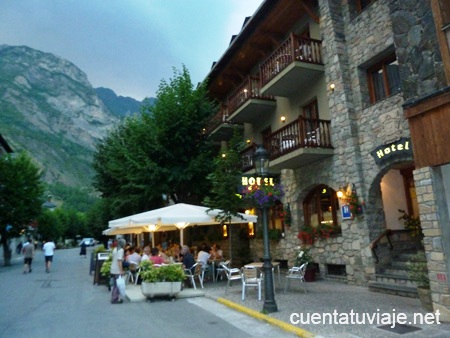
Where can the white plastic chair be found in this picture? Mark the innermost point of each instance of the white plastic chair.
(297, 272)
(232, 275)
(133, 273)
(251, 278)
(198, 273)
(220, 270)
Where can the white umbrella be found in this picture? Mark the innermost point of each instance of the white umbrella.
(177, 216)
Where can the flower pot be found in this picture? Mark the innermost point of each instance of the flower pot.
(310, 275)
(425, 299)
(169, 289)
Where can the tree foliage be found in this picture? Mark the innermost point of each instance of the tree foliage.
(225, 180)
(21, 194)
(161, 151)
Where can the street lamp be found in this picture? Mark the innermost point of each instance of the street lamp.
(261, 160)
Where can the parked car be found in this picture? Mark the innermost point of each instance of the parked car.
(88, 241)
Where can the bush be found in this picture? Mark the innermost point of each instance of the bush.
(418, 270)
(164, 273)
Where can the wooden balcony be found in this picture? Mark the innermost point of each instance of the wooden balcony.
(247, 104)
(220, 128)
(247, 158)
(299, 143)
(292, 66)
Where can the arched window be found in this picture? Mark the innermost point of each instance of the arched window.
(320, 208)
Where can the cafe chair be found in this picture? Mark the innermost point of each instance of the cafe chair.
(298, 273)
(220, 271)
(198, 273)
(232, 275)
(133, 272)
(251, 278)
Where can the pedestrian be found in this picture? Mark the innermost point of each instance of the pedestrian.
(19, 248)
(49, 249)
(118, 255)
(83, 249)
(28, 252)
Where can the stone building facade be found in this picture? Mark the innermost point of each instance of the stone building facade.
(361, 42)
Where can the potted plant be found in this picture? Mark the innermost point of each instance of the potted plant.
(418, 272)
(411, 223)
(164, 280)
(303, 256)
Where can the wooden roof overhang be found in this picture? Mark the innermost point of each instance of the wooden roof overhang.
(258, 38)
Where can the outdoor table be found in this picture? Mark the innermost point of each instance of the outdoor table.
(259, 265)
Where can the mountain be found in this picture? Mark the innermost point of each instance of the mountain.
(49, 108)
(120, 106)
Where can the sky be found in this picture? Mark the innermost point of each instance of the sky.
(128, 46)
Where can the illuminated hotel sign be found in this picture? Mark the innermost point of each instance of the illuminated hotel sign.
(250, 180)
(397, 149)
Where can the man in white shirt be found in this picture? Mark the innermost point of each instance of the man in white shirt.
(49, 248)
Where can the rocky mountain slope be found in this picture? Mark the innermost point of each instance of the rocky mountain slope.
(49, 108)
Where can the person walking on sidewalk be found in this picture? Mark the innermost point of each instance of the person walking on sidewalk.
(117, 269)
(28, 252)
(49, 249)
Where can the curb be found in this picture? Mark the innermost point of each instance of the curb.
(276, 322)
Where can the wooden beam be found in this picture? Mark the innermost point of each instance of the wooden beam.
(310, 12)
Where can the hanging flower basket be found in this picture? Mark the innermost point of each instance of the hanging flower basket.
(263, 196)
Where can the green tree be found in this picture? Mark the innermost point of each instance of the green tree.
(21, 196)
(161, 151)
(49, 225)
(225, 180)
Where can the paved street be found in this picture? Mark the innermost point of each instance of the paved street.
(65, 303)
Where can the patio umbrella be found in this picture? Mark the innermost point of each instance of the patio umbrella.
(176, 216)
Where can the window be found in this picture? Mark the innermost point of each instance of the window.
(320, 208)
(384, 79)
(362, 4)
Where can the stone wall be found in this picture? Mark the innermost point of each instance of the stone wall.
(433, 219)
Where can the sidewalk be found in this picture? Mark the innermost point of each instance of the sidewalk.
(324, 297)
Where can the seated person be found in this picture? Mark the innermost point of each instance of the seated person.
(146, 255)
(133, 257)
(155, 258)
(216, 253)
(186, 258)
(204, 255)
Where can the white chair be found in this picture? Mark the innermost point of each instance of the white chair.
(133, 272)
(297, 272)
(251, 278)
(220, 270)
(232, 275)
(197, 273)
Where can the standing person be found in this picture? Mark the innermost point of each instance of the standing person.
(49, 249)
(28, 252)
(83, 246)
(117, 269)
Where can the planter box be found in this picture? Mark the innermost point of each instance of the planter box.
(169, 289)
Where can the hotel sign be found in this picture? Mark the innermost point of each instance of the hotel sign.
(400, 148)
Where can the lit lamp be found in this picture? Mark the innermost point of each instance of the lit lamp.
(283, 119)
(224, 231)
(332, 87)
(340, 194)
(251, 230)
(261, 160)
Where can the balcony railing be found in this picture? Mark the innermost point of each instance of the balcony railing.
(302, 133)
(247, 158)
(294, 48)
(217, 120)
(249, 89)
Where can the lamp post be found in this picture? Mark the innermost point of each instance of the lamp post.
(261, 160)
